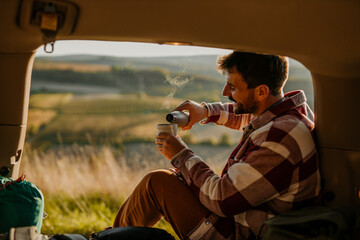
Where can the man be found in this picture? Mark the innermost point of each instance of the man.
(273, 170)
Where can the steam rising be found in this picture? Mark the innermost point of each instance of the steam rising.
(176, 82)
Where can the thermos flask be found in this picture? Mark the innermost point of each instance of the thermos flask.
(179, 118)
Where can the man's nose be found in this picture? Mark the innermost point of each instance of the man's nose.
(226, 91)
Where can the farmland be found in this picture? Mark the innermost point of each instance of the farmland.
(101, 119)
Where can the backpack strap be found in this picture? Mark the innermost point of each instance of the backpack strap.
(26, 233)
(20, 179)
(68, 237)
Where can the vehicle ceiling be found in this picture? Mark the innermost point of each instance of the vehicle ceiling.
(323, 35)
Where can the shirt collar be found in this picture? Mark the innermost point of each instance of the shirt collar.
(291, 100)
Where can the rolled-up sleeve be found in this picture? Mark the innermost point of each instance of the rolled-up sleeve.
(223, 114)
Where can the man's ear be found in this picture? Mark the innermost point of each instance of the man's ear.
(262, 92)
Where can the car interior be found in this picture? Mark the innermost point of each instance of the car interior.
(323, 35)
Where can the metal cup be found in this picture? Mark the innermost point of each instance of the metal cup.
(167, 127)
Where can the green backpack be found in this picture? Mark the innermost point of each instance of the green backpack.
(21, 204)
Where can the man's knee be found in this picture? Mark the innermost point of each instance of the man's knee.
(159, 177)
(161, 181)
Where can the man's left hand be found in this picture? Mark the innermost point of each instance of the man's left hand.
(169, 145)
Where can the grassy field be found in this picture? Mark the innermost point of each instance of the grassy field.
(84, 186)
(84, 215)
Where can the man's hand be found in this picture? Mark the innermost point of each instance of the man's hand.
(196, 112)
(169, 145)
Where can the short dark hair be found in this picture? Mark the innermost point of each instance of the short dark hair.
(257, 69)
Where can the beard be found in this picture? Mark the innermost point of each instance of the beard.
(249, 106)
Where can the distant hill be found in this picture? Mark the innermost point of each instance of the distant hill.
(83, 74)
(128, 81)
(199, 65)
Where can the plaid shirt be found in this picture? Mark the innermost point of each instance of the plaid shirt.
(273, 170)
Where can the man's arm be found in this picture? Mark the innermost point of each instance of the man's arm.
(243, 187)
(263, 174)
(223, 114)
(197, 112)
(219, 113)
(271, 167)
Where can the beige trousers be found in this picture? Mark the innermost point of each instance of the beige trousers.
(162, 194)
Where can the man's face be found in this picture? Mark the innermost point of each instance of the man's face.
(237, 91)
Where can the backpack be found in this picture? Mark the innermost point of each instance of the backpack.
(21, 204)
(133, 233)
(118, 233)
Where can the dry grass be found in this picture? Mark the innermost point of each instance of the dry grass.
(85, 185)
(81, 170)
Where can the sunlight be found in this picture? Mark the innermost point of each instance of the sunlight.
(128, 49)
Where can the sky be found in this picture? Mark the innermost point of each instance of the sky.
(126, 49)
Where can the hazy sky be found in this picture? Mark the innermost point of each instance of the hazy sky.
(125, 49)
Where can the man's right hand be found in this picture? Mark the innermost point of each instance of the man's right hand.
(197, 112)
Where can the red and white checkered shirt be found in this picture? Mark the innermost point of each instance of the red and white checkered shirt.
(273, 170)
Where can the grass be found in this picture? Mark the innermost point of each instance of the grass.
(84, 186)
(81, 214)
(84, 214)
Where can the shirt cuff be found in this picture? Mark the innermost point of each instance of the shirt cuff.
(207, 119)
(179, 159)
